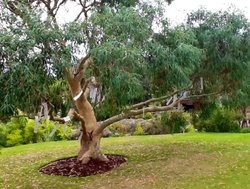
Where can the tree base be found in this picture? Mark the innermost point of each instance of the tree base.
(71, 167)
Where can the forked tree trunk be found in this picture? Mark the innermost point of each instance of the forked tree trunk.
(90, 140)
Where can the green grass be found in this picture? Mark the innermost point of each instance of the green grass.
(185, 161)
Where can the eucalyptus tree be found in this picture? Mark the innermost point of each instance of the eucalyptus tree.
(225, 38)
(110, 46)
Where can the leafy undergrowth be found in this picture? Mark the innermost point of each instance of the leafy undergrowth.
(163, 161)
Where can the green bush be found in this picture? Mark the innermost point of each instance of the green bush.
(148, 116)
(3, 134)
(118, 129)
(14, 138)
(21, 131)
(64, 134)
(190, 129)
(30, 136)
(139, 130)
(153, 128)
(245, 130)
(223, 120)
(220, 120)
(173, 122)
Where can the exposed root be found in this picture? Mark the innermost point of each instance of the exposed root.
(101, 157)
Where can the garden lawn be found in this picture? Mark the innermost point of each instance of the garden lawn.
(182, 161)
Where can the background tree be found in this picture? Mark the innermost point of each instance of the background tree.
(116, 49)
(224, 36)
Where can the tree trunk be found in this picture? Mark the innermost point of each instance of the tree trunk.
(90, 140)
(90, 148)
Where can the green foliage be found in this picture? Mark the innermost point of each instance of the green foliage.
(3, 134)
(29, 136)
(107, 109)
(118, 129)
(173, 122)
(245, 130)
(14, 138)
(219, 120)
(224, 36)
(47, 128)
(126, 3)
(148, 116)
(29, 68)
(224, 120)
(190, 129)
(153, 128)
(21, 131)
(139, 130)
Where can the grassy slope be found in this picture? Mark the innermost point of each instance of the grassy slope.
(167, 161)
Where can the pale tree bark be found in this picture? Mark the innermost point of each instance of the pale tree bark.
(90, 140)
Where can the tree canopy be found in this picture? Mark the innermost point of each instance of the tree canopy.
(131, 61)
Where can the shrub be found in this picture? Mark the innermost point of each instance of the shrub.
(153, 128)
(190, 129)
(30, 136)
(223, 120)
(3, 135)
(196, 120)
(245, 130)
(118, 129)
(148, 116)
(139, 130)
(214, 118)
(21, 131)
(173, 122)
(64, 133)
(14, 138)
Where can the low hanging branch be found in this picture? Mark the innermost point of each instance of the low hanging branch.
(130, 113)
(121, 116)
(141, 104)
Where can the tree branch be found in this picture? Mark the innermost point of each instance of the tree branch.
(78, 16)
(125, 115)
(201, 95)
(145, 103)
(72, 114)
(58, 7)
(122, 116)
(84, 63)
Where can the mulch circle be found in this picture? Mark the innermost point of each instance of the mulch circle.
(72, 168)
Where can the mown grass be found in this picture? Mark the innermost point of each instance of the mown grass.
(185, 161)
